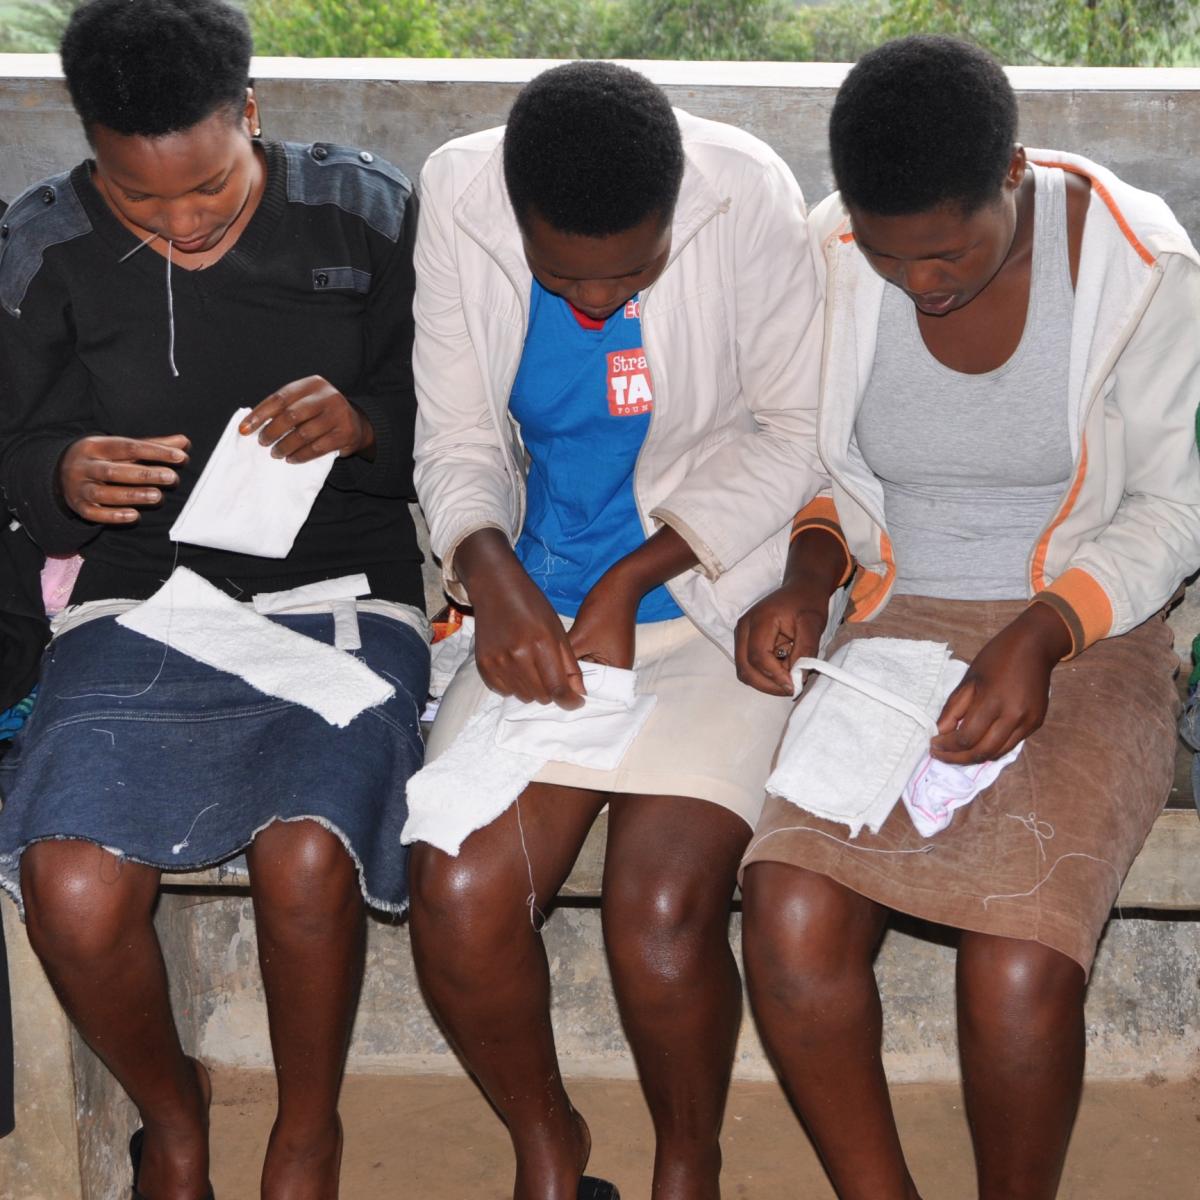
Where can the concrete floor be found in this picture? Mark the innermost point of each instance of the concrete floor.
(434, 1138)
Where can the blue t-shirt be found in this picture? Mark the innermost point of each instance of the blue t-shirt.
(583, 398)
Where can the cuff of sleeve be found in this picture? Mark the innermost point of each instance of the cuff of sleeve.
(451, 584)
(707, 561)
(821, 513)
(383, 475)
(1083, 605)
(40, 508)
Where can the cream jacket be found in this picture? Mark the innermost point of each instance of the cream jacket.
(731, 330)
(1128, 529)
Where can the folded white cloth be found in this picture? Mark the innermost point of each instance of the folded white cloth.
(506, 743)
(596, 735)
(188, 614)
(448, 655)
(336, 595)
(937, 789)
(848, 751)
(248, 502)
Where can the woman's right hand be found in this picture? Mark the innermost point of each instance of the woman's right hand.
(521, 648)
(783, 626)
(788, 623)
(106, 479)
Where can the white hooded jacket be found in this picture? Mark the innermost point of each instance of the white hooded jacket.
(1127, 531)
(731, 330)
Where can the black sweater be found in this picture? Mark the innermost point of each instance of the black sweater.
(320, 282)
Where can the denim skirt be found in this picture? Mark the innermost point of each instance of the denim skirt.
(172, 763)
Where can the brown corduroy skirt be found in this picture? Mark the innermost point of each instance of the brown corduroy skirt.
(1042, 853)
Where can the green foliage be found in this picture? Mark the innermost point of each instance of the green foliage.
(526, 28)
(35, 26)
(707, 29)
(1066, 32)
(1094, 33)
(346, 28)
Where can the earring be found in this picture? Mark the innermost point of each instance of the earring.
(257, 131)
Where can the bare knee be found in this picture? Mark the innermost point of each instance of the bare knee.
(1007, 983)
(802, 930)
(303, 877)
(659, 923)
(81, 900)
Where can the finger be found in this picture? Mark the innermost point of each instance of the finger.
(328, 443)
(983, 749)
(128, 474)
(99, 515)
(117, 497)
(956, 706)
(276, 402)
(175, 441)
(970, 730)
(560, 676)
(305, 433)
(143, 450)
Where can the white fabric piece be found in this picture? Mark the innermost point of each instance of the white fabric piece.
(595, 735)
(448, 655)
(469, 786)
(248, 502)
(188, 614)
(937, 789)
(846, 756)
(338, 593)
(480, 775)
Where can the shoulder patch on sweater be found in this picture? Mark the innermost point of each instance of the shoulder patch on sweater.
(356, 181)
(45, 215)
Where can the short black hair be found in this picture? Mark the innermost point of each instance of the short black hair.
(594, 149)
(921, 123)
(153, 67)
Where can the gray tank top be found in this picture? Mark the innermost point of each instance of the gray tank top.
(973, 466)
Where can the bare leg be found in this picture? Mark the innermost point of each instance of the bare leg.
(311, 925)
(484, 971)
(809, 943)
(89, 921)
(1020, 1036)
(668, 882)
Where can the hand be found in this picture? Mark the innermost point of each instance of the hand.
(1004, 695)
(521, 648)
(106, 479)
(606, 624)
(307, 419)
(780, 628)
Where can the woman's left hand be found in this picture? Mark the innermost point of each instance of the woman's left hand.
(309, 418)
(604, 628)
(1004, 695)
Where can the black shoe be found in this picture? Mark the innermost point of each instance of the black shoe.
(135, 1160)
(591, 1188)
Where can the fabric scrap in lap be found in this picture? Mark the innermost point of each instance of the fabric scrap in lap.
(1041, 854)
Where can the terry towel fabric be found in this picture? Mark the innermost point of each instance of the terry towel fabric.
(188, 614)
(507, 742)
(846, 755)
(246, 501)
(851, 751)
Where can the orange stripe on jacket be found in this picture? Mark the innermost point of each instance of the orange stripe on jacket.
(1037, 570)
(1117, 215)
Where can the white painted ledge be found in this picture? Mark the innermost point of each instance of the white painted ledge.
(693, 74)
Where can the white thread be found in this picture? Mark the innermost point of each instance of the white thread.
(110, 734)
(175, 849)
(170, 316)
(1036, 827)
(531, 899)
(144, 242)
(1074, 854)
(840, 841)
(157, 674)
